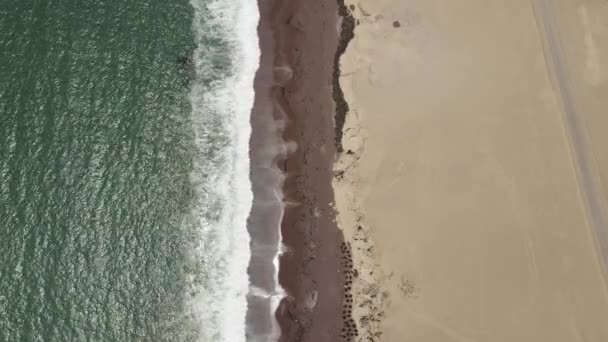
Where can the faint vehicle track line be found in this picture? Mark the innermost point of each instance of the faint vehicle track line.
(584, 163)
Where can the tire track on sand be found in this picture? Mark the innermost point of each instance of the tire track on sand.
(589, 184)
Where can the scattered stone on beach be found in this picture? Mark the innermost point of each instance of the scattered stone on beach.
(396, 24)
(349, 328)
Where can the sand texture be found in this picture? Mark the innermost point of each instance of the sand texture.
(298, 41)
(472, 182)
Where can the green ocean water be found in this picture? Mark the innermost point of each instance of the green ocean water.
(96, 156)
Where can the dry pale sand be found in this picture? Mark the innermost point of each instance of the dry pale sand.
(459, 188)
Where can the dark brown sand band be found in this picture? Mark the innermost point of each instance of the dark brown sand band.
(298, 41)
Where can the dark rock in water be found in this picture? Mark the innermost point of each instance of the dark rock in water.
(185, 63)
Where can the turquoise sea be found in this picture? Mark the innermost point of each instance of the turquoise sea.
(124, 185)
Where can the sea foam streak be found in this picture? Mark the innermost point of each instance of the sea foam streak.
(226, 59)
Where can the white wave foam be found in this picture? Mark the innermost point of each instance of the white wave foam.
(221, 113)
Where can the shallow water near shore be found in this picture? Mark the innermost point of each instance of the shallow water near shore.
(124, 173)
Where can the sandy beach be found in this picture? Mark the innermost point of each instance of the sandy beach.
(443, 172)
(472, 183)
(294, 110)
